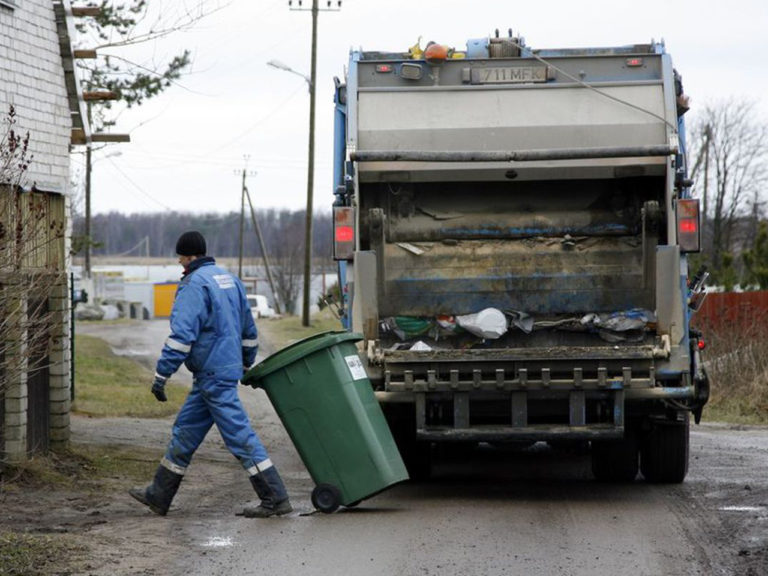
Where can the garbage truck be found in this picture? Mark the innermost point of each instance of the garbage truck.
(512, 229)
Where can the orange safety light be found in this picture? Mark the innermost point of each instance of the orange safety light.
(688, 229)
(343, 232)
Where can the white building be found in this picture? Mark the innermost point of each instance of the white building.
(37, 80)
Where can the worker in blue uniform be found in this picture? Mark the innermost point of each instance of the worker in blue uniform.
(213, 333)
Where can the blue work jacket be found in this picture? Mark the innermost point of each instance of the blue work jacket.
(212, 329)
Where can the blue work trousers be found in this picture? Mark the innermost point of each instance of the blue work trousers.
(214, 402)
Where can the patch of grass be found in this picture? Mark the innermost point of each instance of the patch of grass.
(288, 329)
(39, 555)
(82, 466)
(110, 385)
(737, 364)
(128, 464)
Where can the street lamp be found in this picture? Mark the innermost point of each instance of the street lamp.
(283, 66)
(311, 164)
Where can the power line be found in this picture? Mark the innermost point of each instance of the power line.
(128, 178)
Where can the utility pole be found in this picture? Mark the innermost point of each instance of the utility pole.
(87, 231)
(311, 158)
(263, 253)
(242, 221)
(89, 97)
(242, 229)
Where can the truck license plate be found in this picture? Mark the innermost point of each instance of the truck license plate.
(509, 75)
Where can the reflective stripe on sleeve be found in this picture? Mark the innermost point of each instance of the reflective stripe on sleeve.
(250, 343)
(260, 467)
(175, 468)
(178, 346)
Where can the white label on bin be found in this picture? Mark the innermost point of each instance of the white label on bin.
(355, 367)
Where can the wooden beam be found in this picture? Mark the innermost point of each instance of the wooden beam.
(84, 54)
(86, 10)
(77, 138)
(99, 95)
(107, 137)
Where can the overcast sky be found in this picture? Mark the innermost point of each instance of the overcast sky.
(189, 145)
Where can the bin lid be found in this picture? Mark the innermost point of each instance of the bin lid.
(297, 351)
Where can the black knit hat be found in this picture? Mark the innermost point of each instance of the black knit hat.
(191, 243)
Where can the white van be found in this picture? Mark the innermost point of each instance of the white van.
(260, 307)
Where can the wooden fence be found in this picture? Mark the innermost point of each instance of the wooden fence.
(741, 312)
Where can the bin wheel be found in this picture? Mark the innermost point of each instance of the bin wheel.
(326, 498)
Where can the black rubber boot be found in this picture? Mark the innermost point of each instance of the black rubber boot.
(160, 493)
(271, 491)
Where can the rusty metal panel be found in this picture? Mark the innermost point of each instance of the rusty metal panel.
(538, 276)
(669, 300)
(365, 316)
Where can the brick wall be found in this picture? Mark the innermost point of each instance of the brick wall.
(32, 80)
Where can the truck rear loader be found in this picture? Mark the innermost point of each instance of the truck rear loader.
(512, 228)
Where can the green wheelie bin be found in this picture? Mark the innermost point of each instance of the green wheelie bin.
(320, 391)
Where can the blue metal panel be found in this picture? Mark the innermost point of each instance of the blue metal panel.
(339, 139)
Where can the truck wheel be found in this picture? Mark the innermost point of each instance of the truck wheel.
(326, 498)
(417, 456)
(615, 461)
(418, 460)
(664, 454)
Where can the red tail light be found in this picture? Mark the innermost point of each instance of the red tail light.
(688, 230)
(343, 232)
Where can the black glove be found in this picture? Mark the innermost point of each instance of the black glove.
(158, 388)
(245, 371)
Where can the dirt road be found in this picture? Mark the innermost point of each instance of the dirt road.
(491, 512)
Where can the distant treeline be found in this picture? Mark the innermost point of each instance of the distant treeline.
(128, 234)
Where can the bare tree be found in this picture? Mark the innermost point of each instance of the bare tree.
(730, 169)
(31, 261)
(289, 261)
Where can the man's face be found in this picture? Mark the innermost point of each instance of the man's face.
(185, 260)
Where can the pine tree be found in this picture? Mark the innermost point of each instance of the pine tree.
(756, 259)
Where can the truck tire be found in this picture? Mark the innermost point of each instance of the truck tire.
(664, 453)
(616, 461)
(416, 455)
